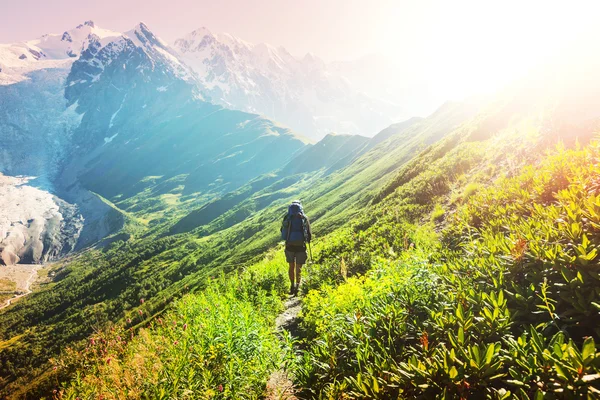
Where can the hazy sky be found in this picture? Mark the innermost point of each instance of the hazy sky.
(458, 43)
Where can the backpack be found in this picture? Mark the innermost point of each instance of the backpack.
(293, 228)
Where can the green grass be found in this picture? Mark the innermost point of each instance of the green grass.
(379, 252)
(501, 303)
(6, 285)
(437, 215)
(504, 304)
(218, 343)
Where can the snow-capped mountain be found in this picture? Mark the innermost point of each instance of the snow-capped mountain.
(56, 51)
(37, 78)
(59, 51)
(303, 93)
(93, 112)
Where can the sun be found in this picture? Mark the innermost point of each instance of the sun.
(468, 47)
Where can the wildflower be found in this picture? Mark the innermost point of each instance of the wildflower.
(108, 360)
(54, 368)
(220, 388)
(92, 341)
(176, 342)
(128, 320)
(140, 312)
(160, 321)
(424, 340)
(142, 301)
(184, 327)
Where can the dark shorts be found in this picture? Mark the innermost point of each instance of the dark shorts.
(299, 257)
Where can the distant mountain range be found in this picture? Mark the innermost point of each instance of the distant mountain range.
(99, 116)
(307, 94)
(111, 123)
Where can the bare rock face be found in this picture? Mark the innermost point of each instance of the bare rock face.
(35, 226)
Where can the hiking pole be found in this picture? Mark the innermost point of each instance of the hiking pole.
(310, 252)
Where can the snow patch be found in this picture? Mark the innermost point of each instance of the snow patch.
(243, 124)
(112, 118)
(110, 139)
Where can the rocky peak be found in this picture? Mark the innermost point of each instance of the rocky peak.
(89, 23)
(66, 37)
(145, 36)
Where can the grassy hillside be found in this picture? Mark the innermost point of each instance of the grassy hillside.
(482, 285)
(105, 285)
(419, 238)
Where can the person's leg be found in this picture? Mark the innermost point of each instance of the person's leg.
(298, 273)
(290, 258)
(301, 258)
(291, 272)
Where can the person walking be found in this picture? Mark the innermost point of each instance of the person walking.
(295, 230)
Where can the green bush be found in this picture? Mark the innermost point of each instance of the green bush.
(507, 307)
(216, 344)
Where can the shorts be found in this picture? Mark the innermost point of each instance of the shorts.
(299, 257)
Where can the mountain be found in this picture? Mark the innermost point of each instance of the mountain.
(98, 117)
(439, 239)
(391, 80)
(303, 93)
(396, 235)
(457, 257)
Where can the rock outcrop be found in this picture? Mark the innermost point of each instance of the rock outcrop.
(35, 226)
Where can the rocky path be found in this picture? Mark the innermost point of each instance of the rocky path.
(280, 386)
(26, 288)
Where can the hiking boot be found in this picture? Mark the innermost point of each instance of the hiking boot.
(297, 288)
(292, 289)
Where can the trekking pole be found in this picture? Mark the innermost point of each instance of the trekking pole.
(310, 252)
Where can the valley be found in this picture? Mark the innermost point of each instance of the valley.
(142, 189)
(17, 282)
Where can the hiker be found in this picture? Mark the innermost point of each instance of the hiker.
(295, 230)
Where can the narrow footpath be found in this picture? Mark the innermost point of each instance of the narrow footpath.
(280, 386)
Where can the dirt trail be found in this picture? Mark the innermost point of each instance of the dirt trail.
(280, 385)
(26, 288)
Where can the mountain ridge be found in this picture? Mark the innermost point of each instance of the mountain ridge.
(299, 91)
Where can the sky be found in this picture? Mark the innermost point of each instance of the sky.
(460, 47)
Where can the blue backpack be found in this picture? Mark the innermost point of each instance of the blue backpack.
(293, 229)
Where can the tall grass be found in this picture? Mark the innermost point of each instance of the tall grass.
(219, 343)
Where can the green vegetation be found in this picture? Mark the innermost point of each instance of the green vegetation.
(219, 343)
(502, 302)
(505, 303)
(455, 258)
(6, 285)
